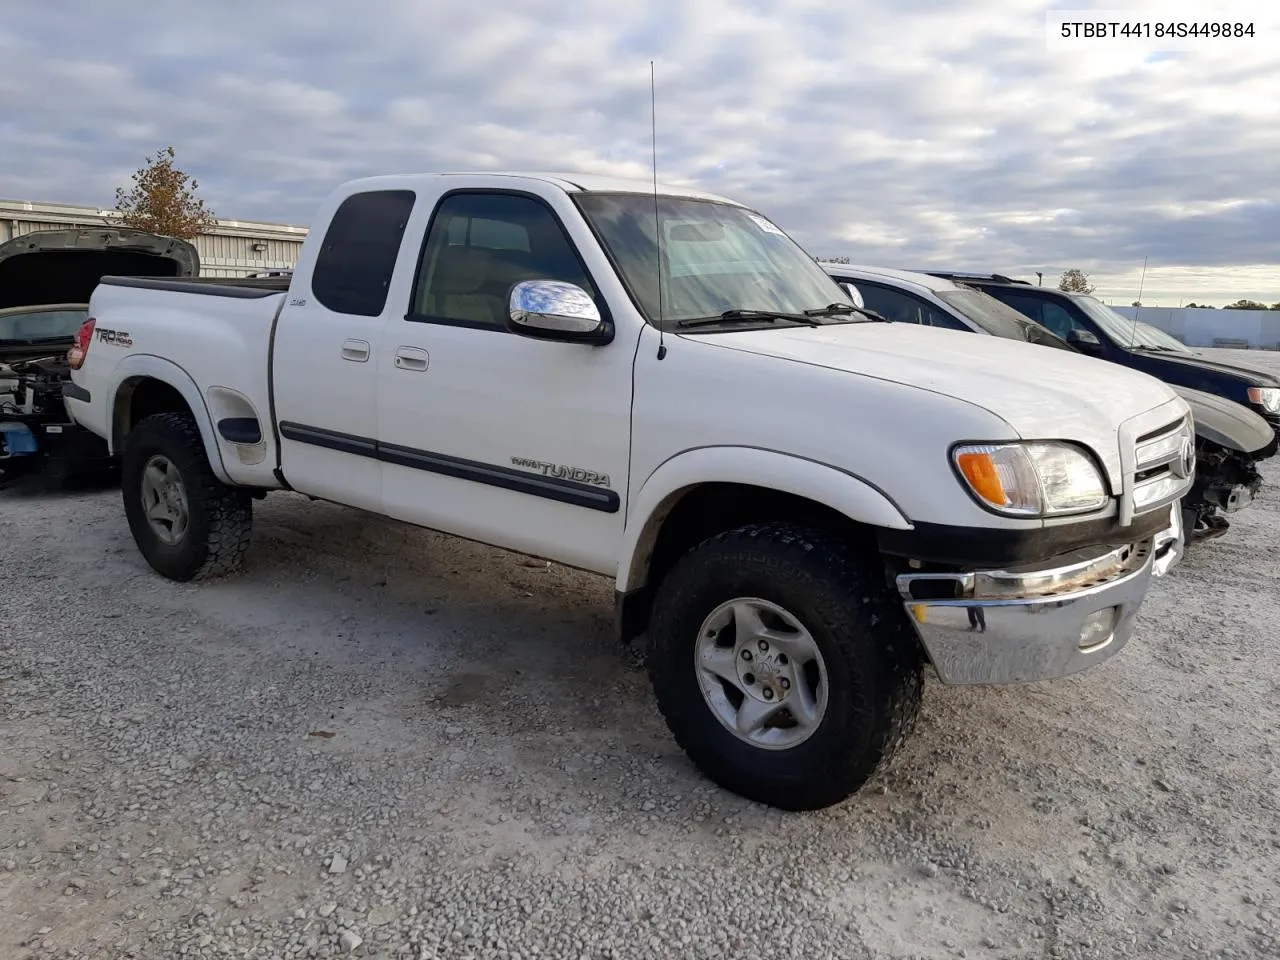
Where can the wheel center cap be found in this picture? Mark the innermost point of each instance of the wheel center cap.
(765, 675)
(766, 668)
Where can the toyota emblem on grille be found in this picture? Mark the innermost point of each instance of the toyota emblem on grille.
(1185, 465)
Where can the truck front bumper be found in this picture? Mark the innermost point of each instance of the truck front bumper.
(1038, 622)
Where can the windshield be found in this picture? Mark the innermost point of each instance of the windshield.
(998, 319)
(1126, 332)
(715, 257)
(1155, 337)
(41, 325)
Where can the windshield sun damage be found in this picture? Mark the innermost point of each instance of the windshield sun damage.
(1127, 333)
(1157, 339)
(998, 319)
(716, 259)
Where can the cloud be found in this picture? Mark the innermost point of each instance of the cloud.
(922, 133)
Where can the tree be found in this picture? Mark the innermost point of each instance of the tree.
(163, 200)
(832, 259)
(1075, 281)
(1136, 303)
(1245, 305)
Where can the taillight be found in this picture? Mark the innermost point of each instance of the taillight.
(76, 355)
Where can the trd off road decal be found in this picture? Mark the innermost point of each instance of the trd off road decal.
(119, 338)
(562, 472)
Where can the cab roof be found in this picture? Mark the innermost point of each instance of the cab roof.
(926, 280)
(568, 182)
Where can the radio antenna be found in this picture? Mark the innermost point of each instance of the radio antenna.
(657, 224)
(1133, 334)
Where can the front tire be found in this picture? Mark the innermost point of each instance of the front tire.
(187, 524)
(782, 666)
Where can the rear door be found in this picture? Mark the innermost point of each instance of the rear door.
(325, 354)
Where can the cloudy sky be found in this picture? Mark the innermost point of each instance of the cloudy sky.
(912, 133)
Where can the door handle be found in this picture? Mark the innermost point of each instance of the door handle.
(357, 351)
(411, 358)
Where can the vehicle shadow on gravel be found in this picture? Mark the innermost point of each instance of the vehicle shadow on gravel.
(40, 486)
(446, 628)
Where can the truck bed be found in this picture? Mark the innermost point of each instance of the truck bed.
(221, 328)
(244, 288)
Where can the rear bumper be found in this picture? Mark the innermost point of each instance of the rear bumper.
(1041, 622)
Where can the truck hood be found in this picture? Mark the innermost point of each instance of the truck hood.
(1251, 375)
(1229, 424)
(1041, 394)
(63, 266)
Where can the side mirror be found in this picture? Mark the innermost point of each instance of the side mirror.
(555, 310)
(1084, 339)
(854, 293)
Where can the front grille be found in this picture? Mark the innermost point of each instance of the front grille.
(1164, 461)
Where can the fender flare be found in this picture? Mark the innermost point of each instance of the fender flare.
(845, 492)
(143, 365)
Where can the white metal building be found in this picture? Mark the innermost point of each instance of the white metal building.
(235, 248)
(1202, 327)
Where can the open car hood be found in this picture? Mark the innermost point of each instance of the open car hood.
(64, 266)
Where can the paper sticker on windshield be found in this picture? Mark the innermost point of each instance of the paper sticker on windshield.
(765, 225)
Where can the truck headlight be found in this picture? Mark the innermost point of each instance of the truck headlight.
(1032, 479)
(1268, 398)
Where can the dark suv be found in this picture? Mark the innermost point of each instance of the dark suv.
(1092, 327)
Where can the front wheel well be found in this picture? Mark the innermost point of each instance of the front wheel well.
(139, 398)
(705, 510)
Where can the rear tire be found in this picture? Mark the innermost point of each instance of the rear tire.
(187, 524)
(853, 680)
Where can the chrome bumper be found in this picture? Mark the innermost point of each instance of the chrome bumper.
(1042, 622)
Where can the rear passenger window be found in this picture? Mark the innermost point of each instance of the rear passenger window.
(354, 267)
(479, 246)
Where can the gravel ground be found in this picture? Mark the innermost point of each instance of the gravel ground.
(382, 742)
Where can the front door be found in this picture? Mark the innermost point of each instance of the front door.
(489, 434)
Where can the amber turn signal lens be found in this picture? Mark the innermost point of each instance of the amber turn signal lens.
(980, 470)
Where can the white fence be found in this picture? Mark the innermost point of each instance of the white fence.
(1201, 327)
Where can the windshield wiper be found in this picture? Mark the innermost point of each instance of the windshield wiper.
(1147, 349)
(746, 316)
(843, 309)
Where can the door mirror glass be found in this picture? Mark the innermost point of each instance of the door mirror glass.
(854, 293)
(554, 309)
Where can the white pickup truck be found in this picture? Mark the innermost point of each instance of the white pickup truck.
(800, 506)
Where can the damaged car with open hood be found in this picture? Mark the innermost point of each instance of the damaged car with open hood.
(46, 278)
